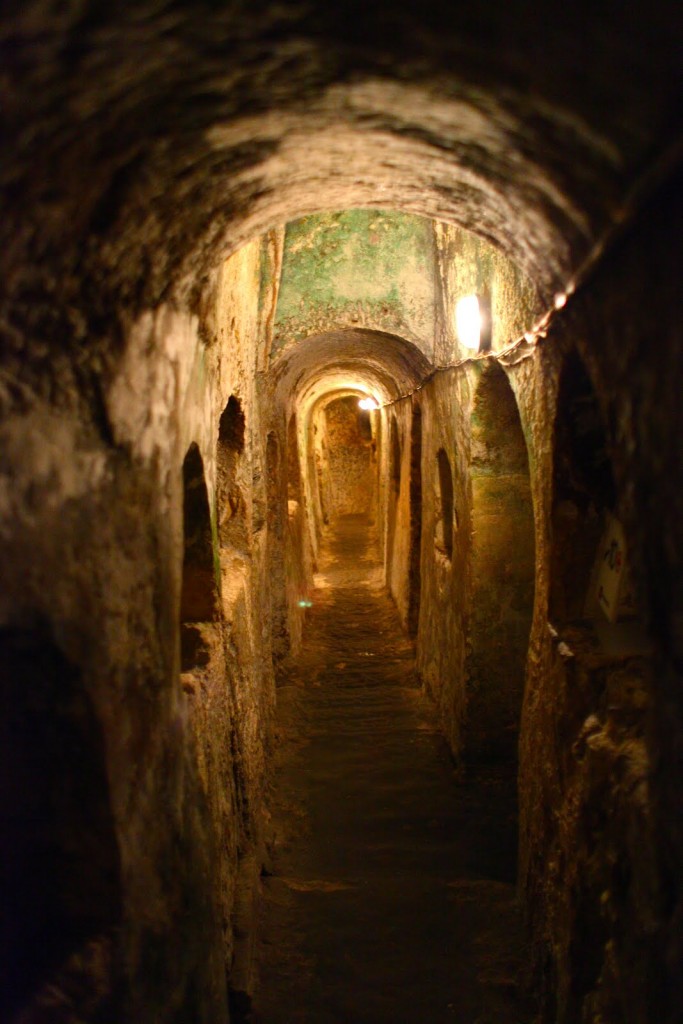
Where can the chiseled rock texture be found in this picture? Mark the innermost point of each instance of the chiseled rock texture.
(152, 154)
(600, 783)
(144, 143)
(93, 540)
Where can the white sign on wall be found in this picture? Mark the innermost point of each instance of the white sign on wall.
(612, 576)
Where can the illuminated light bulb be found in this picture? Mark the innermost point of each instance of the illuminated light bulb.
(468, 321)
(560, 300)
(368, 404)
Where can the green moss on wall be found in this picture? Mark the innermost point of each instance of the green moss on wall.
(357, 268)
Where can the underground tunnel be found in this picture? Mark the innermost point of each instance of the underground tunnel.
(341, 514)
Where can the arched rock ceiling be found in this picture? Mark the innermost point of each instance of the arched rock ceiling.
(353, 361)
(144, 141)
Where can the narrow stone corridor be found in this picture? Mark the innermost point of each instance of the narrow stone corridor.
(390, 897)
(265, 265)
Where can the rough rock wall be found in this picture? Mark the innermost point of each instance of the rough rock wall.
(60, 868)
(448, 631)
(477, 564)
(316, 469)
(401, 484)
(528, 130)
(291, 580)
(349, 474)
(296, 549)
(232, 708)
(92, 542)
(592, 865)
(502, 571)
(469, 265)
(235, 333)
(600, 767)
(600, 853)
(531, 132)
(398, 509)
(442, 627)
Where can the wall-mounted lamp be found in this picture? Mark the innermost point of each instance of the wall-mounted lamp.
(368, 404)
(473, 322)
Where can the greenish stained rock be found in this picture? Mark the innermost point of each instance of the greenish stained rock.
(357, 268)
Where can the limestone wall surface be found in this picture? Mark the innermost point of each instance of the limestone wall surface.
(96, 554)
(599, 830)
(596, 798)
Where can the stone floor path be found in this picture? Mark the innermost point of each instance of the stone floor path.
(391, 898)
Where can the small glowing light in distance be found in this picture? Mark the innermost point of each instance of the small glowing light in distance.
(305, 604)
(368, 404)
(560, 300)
(468, 321)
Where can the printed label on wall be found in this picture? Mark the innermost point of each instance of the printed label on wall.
(611, 570)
